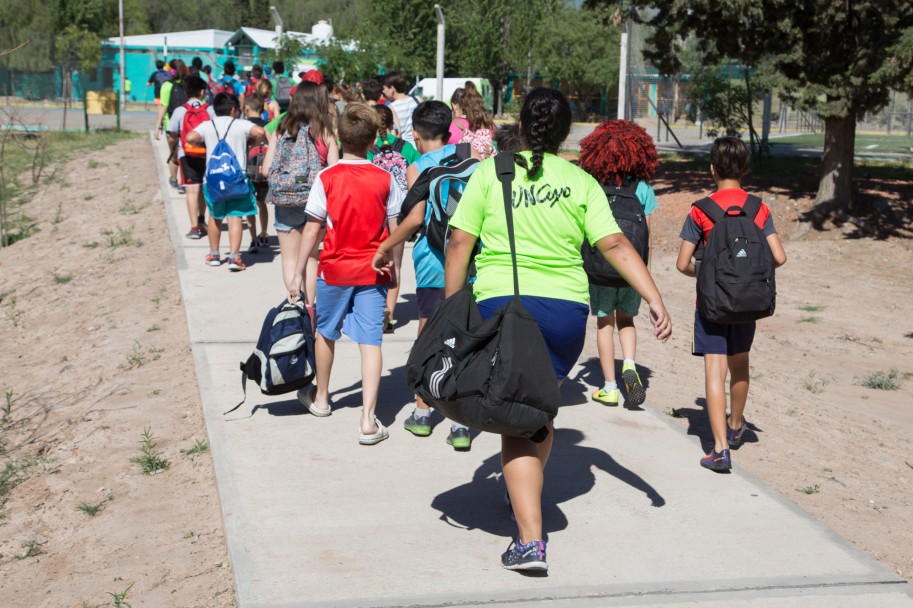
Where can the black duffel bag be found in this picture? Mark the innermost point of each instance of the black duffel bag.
(493, 375)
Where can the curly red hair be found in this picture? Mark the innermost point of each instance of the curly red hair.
(618, 150)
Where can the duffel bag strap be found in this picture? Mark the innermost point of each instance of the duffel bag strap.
(504, 165)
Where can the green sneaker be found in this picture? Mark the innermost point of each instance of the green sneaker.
(635, 388)
(459, 439)
(419, 428)
(607, 397)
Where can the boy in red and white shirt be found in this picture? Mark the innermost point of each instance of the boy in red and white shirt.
(359, 203)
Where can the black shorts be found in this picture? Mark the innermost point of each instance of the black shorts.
(428, 299)
(192, 170)
(260, 190)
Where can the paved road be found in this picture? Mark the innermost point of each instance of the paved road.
(313, 519)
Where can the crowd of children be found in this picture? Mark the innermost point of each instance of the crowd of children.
(346, 171)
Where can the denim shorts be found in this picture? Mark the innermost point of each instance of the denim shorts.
(356, 311)
(710, 338)
(562, 323)
(289, 218)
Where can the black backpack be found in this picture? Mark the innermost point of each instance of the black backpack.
(283, 92)
(493, 375)
(449, 178)
(735, 278)
(630, 216)
(283, 360)
(178, 97)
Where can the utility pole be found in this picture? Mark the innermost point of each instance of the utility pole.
(623, 73)
(440, 51)
(123, 93)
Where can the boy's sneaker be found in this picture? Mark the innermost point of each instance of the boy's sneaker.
(212, 259)
(734, 436)
(717, 461)
(262, 241)
(253, 247)
(172, 182)
(201, 224)
(635, 388)
(607, 397)
(420, 427)
(530, 556)
(235, 264)
(459, 439)
(195, 233)
(182, 190)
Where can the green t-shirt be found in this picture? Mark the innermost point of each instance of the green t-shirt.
(272, 125)
(409, 152)
(551, 215)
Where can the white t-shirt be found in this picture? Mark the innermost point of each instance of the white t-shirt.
(404, 108)
(177, 119)
(238, 132)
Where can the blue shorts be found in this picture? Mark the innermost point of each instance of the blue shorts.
(604, 301)
(287, 219)
(357, 311)
(241, 206)
(428, 299)
(562, 323)
(711, 338)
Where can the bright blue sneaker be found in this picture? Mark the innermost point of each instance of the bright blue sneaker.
(530, 556)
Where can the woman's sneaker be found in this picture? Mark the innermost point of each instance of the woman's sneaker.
(635, 388)
(530, 556)
(607, 397)
(717, 461)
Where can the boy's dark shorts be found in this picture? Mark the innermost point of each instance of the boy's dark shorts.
(711, 338)
(428, 299)
(192, 170)
(260, 190)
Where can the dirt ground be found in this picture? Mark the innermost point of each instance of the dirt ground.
(92, 360)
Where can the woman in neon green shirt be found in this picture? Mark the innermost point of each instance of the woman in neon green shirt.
(555, 205)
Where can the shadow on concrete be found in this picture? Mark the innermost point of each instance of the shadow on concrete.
(480, 504)
(699, 425)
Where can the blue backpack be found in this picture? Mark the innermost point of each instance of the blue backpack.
(283, 360)
(225, 180)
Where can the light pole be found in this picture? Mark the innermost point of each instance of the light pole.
(278, 20)
(120, 19)
(440, 52)
(623, 73)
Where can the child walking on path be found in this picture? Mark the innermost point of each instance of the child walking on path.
(724, 347)
(358, 201)
(619, 154)
(431, 128)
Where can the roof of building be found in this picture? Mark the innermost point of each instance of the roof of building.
(195, 39)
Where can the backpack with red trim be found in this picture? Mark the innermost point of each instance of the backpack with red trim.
(225, 84)
(195, 116)
(250, 86)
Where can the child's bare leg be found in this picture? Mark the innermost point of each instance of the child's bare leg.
(215, 233)
(627, 335)
(523, 463)
(605, 345)
(738, 388)
(252, 227)
(715, 369)
(419, 402)
(264, 217)
(324, 352)
(372, 363)
(289, 244)
(235, 230)
(193, 194)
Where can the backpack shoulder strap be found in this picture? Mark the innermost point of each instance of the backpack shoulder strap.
(504, 166)
(752, 206)
(713, 211)
(463, 151)
(398, 144)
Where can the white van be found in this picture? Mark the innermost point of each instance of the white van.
(426, 89)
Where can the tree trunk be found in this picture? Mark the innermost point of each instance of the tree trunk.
(836, 185)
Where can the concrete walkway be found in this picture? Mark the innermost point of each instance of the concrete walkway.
(314, 519)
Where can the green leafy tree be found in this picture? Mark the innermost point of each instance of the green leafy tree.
(839, 59)
(22, 24)
(576, 47)
(348, 62)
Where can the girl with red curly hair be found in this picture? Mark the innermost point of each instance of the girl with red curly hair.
(619, 154)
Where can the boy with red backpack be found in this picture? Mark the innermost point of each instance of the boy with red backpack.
(227, 82)
(191, 157)
(724, 343)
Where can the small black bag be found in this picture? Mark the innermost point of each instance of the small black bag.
(629, 215)
(493, 375)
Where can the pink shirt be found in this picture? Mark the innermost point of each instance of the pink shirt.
(456, 133)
